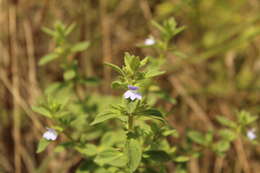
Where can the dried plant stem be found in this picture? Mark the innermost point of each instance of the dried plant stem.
(28, 160)
(144, 5)
(106, 41)
(20, 101)
(191, 102)
(40, 16)
(146, 10)
(242, 156)
(219, 164)
(207, 155)
(193, 166)
(15, 88)
(32, 89)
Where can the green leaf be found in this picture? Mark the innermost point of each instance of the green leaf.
(246, 118)
(43, 143)
(128, 60)
(209, 137)
(69, 74)
(70, 29)
(87, 166)
(135, 63)
(158, 155)
(178, 30)
(170, 132)
(251, 119)
(115, 67)
(41, 110)
(110, 139)
(87, 150)
(152, 113)
(221, 146)
(227, 134)
(48, 58)
(181, 159)
(197, 137)
(226, 122)
(153, 73)
(58, 100)
(157, 25)
(53, 87)
(134, 153)
(144, 61)
(117, 84)
(81, 46)
(131, 106)
(111, 157)
(49, 31)
(103, 117)
(63, 146)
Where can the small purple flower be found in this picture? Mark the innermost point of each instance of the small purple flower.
(251, 134)
(132, 93)
(131, 87)
(50, 134)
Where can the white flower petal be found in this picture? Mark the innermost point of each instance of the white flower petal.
(127, 94)
(149, 41)
(251, 134)
(133, 97)
(138, 96)
(50, 134)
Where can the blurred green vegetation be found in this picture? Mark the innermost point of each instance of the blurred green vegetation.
(215, 73)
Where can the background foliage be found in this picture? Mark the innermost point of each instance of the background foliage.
(212, 75)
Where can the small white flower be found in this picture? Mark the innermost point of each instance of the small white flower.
(50, 134)
(251, 134)
(132, 93)
(149, 41)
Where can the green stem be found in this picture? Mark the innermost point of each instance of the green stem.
(130, 122)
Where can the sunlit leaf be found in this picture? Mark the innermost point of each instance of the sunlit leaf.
(81, 46)
(41, 110)
(111, 157)
(48, 58)
(181, 159)
(116, 68)
(103, 117)
(197, 137)
(42, 145)
(70, 74)
(70, 29)
(134, 154)
(87, 149)
(226, 122)
(227, 134)
(153, 73)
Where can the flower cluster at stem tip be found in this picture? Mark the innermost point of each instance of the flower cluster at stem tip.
(132, 93)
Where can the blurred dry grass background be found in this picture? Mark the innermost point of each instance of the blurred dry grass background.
(220, 74)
